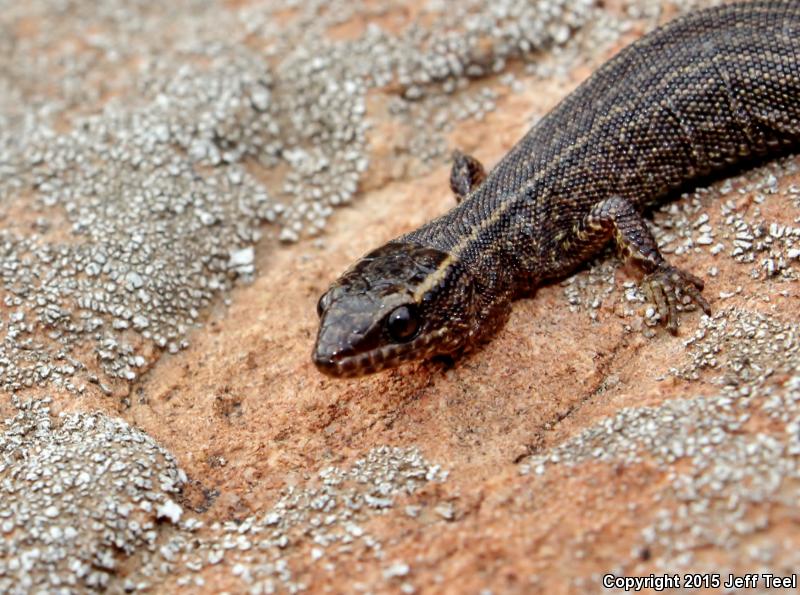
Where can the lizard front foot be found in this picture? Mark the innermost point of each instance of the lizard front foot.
(666, 288)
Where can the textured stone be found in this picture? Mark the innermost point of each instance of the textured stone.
(138, 170)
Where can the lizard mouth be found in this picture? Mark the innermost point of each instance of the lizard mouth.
(346, 364)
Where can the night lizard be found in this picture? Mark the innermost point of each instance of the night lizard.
(703, 95)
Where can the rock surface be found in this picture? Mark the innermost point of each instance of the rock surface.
(165, 428)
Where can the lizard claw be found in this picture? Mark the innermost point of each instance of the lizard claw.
(666, 287)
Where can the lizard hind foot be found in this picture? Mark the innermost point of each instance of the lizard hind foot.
(667, 287)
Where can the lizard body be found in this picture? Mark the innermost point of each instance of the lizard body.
(706, 93)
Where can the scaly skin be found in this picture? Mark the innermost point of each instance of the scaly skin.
(707, 93)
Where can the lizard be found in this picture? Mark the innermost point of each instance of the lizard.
(706, 94)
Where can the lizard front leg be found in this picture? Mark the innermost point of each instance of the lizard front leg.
(664, 284)
(466, 174)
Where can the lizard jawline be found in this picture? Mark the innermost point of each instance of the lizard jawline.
(380, 358)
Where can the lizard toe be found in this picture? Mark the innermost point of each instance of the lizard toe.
(667, 287)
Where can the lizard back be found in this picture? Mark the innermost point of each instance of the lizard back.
(707, 91)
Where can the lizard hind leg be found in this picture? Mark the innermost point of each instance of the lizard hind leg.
(664, 284)
(466, 174)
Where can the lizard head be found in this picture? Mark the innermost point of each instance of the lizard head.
(400, 302)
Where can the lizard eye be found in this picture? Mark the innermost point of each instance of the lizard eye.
(403, 324)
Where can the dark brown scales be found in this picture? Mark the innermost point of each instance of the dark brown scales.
(706, 93)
